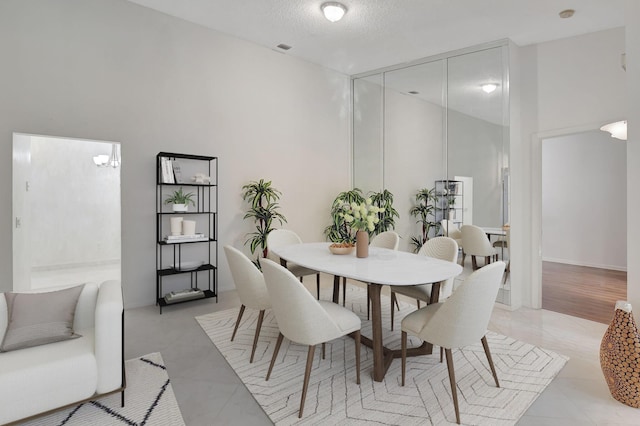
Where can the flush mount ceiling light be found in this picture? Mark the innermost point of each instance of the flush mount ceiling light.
(112, 160)
(618, 129)
(489, 87)
(567, 13)
(333, 11)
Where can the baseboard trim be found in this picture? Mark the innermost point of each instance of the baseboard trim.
(589, 265)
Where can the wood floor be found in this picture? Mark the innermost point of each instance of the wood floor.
(589, 293)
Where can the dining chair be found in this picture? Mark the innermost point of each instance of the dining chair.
(443, 248)
(306, 321)
(283, 238)
(251, 288)
(386, 239)
(458, 322)
(476, 243)
(508, 246)
(450, 229)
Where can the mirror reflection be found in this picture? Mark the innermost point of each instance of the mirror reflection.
(66, 204)
(440, 124)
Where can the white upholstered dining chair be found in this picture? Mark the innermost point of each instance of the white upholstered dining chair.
(251, 288)
(450, 229)
(283, 238)
(306, 321)
(443, 248)
(458, 322)
(475, 242)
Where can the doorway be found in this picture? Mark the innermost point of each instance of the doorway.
(584, 257)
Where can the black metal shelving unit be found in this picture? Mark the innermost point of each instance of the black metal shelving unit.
(168, 255)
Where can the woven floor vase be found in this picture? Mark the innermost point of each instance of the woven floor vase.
(620, 356)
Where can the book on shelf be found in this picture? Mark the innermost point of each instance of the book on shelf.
(184, 237)
(172, 239)
(177, 171)
(167, 170)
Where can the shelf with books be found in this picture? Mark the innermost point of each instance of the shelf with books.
(199, 246)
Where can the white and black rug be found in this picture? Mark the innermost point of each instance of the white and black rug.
(334, 397)
(149, 400)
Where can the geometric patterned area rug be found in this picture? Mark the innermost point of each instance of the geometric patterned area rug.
(333, 397)
(149, 400)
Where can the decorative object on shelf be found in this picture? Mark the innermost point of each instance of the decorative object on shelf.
(180, 200)
(342, 248)
(188, 227)
(362, 244)
(424, 210)
(620, 356)
(201, 178)
(262, 198)
(166, 170)
(176, 225)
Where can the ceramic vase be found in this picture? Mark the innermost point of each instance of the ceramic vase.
(188, 227)
(362, 244)
(620, 356)
(176, 225)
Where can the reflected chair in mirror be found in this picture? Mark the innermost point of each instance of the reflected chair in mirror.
(443, 248)
(450, 229)
(506, 242)
(306, 321)
(283, 238)
(387, 239)
(460, 321)
(476, 243)
(252, 291)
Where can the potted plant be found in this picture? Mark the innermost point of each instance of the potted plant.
(338, 231)
(263, 210)
(180, 200)
(424, 210)
(387, 214)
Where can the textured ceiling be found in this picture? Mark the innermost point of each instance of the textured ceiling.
(380, 33)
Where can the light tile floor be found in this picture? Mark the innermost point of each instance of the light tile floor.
(209, 392)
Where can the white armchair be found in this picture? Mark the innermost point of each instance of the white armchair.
(458, 322)
(306, 321)
(39, 379)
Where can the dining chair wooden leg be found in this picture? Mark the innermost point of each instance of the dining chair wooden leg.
(318, 285)
(237, 322)
(506, 273)
(344, 291)
(275, 354)
(463, 257)
(418, 303)
(307, 374)
(474, 262)
(356, 340)
(404, 355)
(441, 353)
(323, 349)
(393, 299)
(255, 338)
(487, 352)
(487, 260)
(452, 381)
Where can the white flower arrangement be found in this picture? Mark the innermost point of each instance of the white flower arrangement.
(361, 216)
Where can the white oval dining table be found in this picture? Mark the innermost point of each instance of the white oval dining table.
(381, 267)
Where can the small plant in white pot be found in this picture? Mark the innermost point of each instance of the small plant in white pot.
(180, 200)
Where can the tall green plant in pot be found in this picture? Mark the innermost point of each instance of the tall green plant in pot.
(339, 231)
(262, 198)
(387, 214)
(424, 210)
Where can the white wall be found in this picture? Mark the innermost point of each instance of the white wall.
(632, 14)
(568, 85)
(584, 200)
(112, 70)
